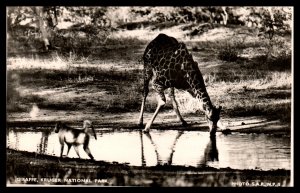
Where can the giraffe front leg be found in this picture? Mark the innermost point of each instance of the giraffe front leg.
(175, 107)
(161, 99)
(140, 123)
(147, 77)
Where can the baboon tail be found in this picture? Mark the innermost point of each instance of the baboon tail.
(94, 133)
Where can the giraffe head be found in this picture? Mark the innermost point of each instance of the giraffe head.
(213, 118)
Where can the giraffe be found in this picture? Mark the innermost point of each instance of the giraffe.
(170, 65)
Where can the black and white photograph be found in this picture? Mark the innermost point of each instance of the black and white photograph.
(149, 96)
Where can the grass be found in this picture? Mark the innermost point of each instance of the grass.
(109, 77)
(257, 97)
(78, 86)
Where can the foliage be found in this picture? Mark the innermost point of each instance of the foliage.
(275, 24)
(275, 21)
(228, 54)
(264, 17)
(87, 26)
(229, 50)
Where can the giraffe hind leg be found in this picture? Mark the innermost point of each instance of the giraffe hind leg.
(175, 107)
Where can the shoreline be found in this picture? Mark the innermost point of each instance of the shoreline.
(26, 168)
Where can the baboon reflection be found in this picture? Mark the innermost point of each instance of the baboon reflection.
(42, 147)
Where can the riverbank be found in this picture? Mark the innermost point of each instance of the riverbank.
(25, 168)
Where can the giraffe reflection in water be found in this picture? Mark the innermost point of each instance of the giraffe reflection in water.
(210, 151)
(42, 147)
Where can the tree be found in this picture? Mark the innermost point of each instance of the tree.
(43, 19)
(39, 11)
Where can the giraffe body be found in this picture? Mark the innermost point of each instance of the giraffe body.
(170, 65)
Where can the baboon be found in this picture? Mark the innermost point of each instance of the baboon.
(75, 137)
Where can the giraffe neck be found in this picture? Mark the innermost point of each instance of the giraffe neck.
(204, 99)
(198, 91)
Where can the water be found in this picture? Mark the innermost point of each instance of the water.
(185, 148)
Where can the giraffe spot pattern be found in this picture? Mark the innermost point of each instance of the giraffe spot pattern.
(173, 66)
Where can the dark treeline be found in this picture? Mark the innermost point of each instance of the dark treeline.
(47, 23)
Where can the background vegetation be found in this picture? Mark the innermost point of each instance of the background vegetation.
(89, 58)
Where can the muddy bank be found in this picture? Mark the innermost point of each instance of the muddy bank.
(165, 121)
(34, 169)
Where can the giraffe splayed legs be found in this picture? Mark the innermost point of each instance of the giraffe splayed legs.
(161, 100)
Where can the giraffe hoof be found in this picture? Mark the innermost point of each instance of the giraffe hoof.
(184, 123)
(213, 132)
(226, 131)
(212, 136)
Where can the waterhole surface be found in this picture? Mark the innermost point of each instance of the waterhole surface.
(185, 148)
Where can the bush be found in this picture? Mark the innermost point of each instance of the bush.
(228, 54)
